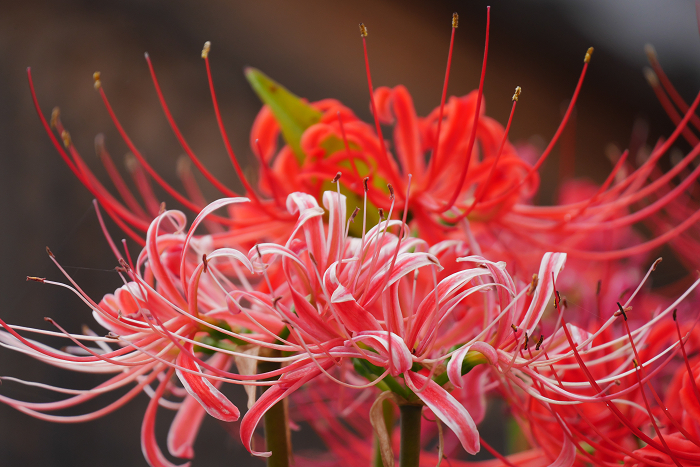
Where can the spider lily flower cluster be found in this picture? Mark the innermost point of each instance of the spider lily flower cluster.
(426, 299)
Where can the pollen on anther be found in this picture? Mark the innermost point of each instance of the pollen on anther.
(651, 77)
(55, 114)
(651, 52)
(589, 52)
(363, 30)
(455, 20)
(539, 342)
(533, 285)
(206, 49)
(516, 96)
(124, 264)
(354, 214)
(391, 190)
(96, 78)
(366, 184)
(65, 136)
(36, 279)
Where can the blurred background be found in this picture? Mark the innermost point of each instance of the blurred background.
(313, 48)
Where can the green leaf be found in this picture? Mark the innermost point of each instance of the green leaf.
(293, 115)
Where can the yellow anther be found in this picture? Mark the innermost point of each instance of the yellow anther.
(363, 30)
(96, 78)
(55, 114)
(66, 139)
(206, 49)
(518, 90)
(589, 52)
(455, 20)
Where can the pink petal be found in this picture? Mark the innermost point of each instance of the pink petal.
(292, 381)
(446, 408)
(551, 263)
(567, 456)
(454, 367)
(401, 357)
(199, 387)
(353, 316)
(198, 220)
(310, 218)
(336, 224)
(185, 427)
(154, 456)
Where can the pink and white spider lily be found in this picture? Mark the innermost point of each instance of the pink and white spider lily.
(161, 326)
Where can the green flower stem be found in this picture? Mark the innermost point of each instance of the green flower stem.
(410, 435)
(276, 424)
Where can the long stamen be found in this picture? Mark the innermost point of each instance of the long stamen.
(667, 105)
(268, 174)
(364, 231)
(481, 191)
(433, 158)
(385, 156)
(475, 121)
(687, 362)
(629, 424)
(224, 136)
(379, 242)
(640, 375)
(116, 177)
(213, 180)
(347, 145)
(667, 85)
(562, 125)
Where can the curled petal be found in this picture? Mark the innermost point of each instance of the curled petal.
(185, 427)
(199, 387)
(454, 367)
(292, 382)
(401, 357)
(447, 409)
(154, 456)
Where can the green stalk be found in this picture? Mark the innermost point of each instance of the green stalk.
(276, 423)
(410, 435)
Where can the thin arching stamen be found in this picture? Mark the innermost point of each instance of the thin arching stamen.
(481, 190)
(475, 121)
(433, 157)
(213, 180)
(385, 156)
(268, 174)
(347, 145)
(557, 134)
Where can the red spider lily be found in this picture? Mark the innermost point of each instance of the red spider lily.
(492, 191)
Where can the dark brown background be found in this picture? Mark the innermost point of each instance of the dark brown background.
(313, 48)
